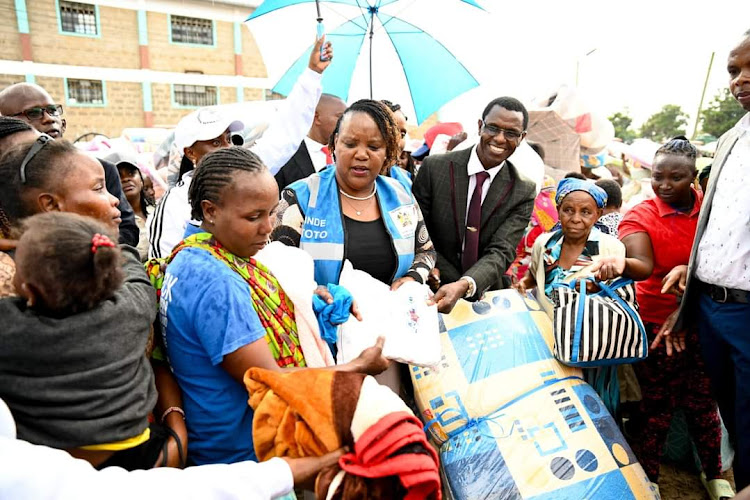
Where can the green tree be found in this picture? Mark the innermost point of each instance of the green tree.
(721, 115)
(622, 121)
(665, 124)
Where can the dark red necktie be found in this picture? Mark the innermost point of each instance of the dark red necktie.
(329, 158)
(473, 221)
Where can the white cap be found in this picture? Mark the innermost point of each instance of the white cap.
(203, 125)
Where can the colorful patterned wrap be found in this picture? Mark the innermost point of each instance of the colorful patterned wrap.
(512, 422)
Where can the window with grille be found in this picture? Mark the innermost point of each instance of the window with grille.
(192, 30)
(79, 18)
(85, 92)
(195, 95)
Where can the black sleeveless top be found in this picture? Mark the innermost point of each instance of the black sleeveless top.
(369, 248)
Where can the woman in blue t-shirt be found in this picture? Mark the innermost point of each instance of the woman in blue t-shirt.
(222, 312)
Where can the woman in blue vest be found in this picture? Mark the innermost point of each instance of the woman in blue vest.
(352, 212)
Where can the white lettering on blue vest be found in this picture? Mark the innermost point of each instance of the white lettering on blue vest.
(314, 234)
(315, 222)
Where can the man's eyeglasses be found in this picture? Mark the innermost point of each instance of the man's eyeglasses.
(511, 135)
(37, 112)
(40, 142)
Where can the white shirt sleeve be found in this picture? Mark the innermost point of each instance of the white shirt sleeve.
(30, 472)
(291, 123)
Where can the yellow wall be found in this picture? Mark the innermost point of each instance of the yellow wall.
(116, 47)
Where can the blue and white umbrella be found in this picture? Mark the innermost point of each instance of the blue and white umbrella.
(406, 51)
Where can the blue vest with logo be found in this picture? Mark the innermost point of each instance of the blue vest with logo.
(323, 234)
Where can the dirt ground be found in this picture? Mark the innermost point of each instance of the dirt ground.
(678, 484)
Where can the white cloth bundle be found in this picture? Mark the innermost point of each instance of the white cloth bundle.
(410, 327)
(294, 268)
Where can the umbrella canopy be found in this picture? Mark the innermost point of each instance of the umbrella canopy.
(400, 50)
(561, 143)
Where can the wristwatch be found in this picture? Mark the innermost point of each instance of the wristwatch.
(472, 286)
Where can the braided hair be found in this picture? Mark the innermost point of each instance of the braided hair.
(383, 118)
(216, 171)
(42, 172)
(391, 105)
(10, 126)
(681, 146)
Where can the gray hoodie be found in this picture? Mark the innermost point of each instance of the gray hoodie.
(83, 379)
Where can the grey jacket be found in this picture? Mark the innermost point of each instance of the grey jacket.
(84, 379)
(723, 150)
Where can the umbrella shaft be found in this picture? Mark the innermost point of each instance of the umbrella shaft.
(372, 32)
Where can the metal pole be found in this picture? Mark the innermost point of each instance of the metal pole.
(372, 32)
(703, 95)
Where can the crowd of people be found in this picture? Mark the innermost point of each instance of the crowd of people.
(130, 325)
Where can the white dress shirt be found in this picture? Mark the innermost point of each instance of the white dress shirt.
(317, 156)
(473, 168)
(724, 250)
(166, 226)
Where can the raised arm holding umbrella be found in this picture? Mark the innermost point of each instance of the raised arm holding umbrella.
(384, 49)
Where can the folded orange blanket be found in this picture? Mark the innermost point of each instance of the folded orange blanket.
(315, 411)
(295, 414)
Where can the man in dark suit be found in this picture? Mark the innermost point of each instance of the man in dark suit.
(312, 155)
(476, 205)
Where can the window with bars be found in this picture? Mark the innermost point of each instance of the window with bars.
(192, 30)
(85, 92)
(195, 95)
(78, 18)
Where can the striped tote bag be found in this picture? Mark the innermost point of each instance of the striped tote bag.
(597, 329)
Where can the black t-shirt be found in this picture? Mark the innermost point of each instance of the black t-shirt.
(369, 248)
